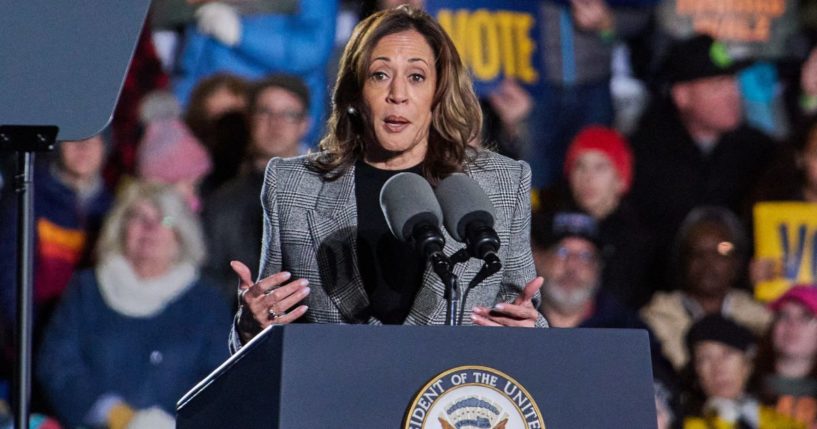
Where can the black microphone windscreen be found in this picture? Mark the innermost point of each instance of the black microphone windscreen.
(408, 200)
(463, 201)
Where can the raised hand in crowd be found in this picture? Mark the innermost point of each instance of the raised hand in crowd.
(764, 269)
(808, 81)
(512, 104)
(219, 20)
(592, 15)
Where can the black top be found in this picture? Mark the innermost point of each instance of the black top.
(233, 227)
(391, 270)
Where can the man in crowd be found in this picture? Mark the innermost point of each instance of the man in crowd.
(278, 121)
(599, 171)
(566, 253)
(693, 148)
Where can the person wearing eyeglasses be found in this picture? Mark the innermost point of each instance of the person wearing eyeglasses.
(566, 252)
(278, 122)
(598, 173)
(278, 119)
(787, 357)
(131, 335)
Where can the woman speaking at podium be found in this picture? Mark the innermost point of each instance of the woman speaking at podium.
(403, 101)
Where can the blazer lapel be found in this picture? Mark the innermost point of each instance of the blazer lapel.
(333, 225)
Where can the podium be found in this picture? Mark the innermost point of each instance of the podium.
(351, 376)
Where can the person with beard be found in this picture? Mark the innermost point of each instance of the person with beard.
(599, 170)
(566, 253)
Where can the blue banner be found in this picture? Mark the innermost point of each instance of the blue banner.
(499, 39)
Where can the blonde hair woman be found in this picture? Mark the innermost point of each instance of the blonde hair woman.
(132, 335)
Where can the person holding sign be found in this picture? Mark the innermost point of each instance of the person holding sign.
(785, 201)
(403, 102)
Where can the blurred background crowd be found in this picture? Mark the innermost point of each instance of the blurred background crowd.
(650, 144)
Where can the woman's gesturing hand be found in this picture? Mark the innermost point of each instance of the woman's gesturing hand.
(268, 301)
(520, 312)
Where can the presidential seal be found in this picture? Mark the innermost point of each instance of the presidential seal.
(473, 397)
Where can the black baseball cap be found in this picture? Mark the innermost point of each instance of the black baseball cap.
(549, 229)
(699, 57)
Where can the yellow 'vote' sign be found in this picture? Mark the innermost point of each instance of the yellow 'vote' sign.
(493, 43)
(786, 232)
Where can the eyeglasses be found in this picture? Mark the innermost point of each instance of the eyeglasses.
(584, 257)
(288, 116)
(148, 221)
(803, 318)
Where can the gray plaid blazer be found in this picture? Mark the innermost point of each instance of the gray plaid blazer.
(310, 231)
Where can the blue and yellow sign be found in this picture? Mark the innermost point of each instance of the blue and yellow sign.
(786, 233)
(500, 39)
(496, 39)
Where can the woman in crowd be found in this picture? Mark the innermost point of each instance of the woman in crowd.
(132, 335)
(403, 101)
(787, 360)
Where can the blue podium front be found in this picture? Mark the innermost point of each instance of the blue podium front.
(411, 377)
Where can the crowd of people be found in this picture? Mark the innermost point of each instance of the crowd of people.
(642, 224)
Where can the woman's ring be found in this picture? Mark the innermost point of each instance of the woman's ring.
(273, 314)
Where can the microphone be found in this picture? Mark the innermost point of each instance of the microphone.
(413, 213)
(469, 215)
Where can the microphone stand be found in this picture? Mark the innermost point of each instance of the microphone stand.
(491, 265)
(429, 240)
(442, 266)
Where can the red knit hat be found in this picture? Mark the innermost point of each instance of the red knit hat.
(607, 141)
